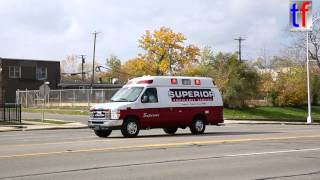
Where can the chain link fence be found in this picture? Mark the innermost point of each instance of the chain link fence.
(64, 97)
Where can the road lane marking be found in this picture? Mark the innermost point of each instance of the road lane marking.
(65, 142)
(159, 145)
(272, 152)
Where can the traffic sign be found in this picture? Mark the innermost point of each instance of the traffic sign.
(44, 90)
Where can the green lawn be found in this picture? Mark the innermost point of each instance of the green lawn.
(272, 113)
(47, 121)
(68, 111)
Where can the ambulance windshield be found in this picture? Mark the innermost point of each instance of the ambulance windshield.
(127, 94)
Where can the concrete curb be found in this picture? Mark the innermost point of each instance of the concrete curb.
(40, 127)
(229, 121)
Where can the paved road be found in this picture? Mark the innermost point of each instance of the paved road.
(228, 152)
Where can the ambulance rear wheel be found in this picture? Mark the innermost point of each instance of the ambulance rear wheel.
(171, 130)
(198, 126)
(103, 133)
(130, 128)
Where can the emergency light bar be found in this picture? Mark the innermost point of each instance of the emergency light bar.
(174, 81)
(197, 82)
(145, 82)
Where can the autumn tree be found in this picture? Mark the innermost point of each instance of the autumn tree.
(166, 49)
(315, 88)
(112, 69)
(204, 65)
(266, 87)
(114, 65)
(236, 80)
(291, 87)
(138, 67)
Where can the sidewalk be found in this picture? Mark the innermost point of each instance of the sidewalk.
(41, 126)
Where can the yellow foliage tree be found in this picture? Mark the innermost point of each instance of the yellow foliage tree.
(166, 49)
(291, 87)
(138, 67)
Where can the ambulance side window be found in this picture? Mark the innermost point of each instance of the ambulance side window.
(150, 96)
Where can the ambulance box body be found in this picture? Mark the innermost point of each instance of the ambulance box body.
(167, 102)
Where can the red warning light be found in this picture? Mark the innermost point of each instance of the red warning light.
(197, 82)
(174, 81)
(145, 82)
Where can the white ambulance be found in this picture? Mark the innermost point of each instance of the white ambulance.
(168, 102)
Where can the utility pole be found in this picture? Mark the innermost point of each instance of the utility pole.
(94, 56)
(239, 40)
(264, 56)
(82, 62)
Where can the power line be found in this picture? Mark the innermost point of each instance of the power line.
(239, 40)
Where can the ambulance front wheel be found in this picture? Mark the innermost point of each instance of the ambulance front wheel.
(130, 128)
(171, 130)
(103, 133)
(198, 126)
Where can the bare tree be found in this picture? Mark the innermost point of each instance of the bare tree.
(314, 40)
(298, 49)
(69, 64)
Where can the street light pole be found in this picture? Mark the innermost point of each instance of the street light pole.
(309, 119)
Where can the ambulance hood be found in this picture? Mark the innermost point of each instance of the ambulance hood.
(112, 105)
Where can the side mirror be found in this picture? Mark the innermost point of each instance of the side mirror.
(144, 99)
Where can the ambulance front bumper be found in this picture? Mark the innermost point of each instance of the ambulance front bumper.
(104, 124)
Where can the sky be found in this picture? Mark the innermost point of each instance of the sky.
(54, 29)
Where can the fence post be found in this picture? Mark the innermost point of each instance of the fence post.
(60, 92)
(26, 98)
(21, 99)
(9, 112)
(48, 104)
(20, 113)
(88, 97)
(4, 111)
(74, 97)
(104, 96)
(17, 96)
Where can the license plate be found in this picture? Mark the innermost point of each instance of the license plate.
(99, 114)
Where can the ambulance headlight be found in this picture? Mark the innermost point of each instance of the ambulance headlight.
(115, 114)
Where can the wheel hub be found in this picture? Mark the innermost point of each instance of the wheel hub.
(132, 128)
(199, 125)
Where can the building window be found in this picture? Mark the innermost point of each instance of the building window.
(41, 73)
(14, 72)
